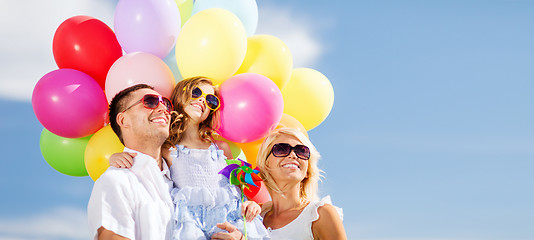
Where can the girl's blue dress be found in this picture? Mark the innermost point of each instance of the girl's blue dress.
(203, 197)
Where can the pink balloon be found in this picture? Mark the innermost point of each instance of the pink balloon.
(69, 103)
(136, 68)
(252, 105)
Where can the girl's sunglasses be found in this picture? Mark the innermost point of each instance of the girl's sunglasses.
(212, 101)
(284, 149)
(152, 101)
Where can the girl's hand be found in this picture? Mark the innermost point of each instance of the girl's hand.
(122, 160)
(250, 210)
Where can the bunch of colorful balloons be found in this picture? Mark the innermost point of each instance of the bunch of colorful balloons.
(259, 88)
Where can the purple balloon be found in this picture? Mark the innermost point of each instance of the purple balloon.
(252, 106)
(69, 103)
(150, 26)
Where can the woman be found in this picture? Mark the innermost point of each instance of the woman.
(288, 163)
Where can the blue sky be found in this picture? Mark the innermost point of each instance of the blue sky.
(431, 135)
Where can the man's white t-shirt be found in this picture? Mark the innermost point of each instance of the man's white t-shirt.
(133, 202)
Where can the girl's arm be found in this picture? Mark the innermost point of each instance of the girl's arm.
(250, 210)
(225, 147)
(122, 160)
(329, 225)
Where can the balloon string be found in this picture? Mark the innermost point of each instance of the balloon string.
(244, 219)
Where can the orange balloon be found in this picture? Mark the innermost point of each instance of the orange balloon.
(290, 122)
(100, 147)
(251, 150)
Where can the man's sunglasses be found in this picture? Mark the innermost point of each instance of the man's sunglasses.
(212, 101)
(284, 149)
(152, 101)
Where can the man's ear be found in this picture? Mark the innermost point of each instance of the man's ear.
(122, 120)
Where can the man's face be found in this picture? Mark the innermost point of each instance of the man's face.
(143, 122)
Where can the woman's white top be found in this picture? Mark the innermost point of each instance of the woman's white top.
(133, 202)
(300, 228)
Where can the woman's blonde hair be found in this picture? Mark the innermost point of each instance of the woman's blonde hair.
(181, 95)
(309, 185)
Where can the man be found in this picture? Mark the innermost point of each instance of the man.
(134, 203)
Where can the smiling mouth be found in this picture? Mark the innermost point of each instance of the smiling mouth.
(159, 120)
(199, 106)
(291, 166)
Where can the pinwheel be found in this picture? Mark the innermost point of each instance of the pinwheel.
(241, 174)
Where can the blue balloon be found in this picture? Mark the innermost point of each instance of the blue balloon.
(170, 60)
(245, 10)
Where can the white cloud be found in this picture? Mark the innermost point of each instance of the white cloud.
(59, 223)
(295, 29)
(28, 29)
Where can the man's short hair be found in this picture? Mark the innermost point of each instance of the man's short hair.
(117, 105)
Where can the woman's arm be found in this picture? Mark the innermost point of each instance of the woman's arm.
(329, 224)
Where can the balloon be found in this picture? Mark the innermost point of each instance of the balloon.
(64, 154)
(213, 43)
(252, 105)
(150, 26)
(308, 97)
(270, 57)
(245, 10)
(136, 68)
(251, 149)
(291, 122)
(86, 44)
(170, 60)
(185, 7)
(99, 148)
(69, 103)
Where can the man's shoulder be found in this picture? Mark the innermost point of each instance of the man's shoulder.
(119, 175)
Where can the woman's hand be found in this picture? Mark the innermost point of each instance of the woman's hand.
(250, 210)
(231, 234)
(122, 160)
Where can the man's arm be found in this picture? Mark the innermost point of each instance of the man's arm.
(104, 234)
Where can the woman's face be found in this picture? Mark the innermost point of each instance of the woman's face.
(196, 108)
(289, 168)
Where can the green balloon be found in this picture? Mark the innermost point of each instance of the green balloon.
(66, 155)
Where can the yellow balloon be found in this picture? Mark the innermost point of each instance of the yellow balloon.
(308, 97)
(212, 43)
(270, 57)
(290, 122)
(186, 8)
(99, 148)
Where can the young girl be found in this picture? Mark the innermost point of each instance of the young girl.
(201, 195)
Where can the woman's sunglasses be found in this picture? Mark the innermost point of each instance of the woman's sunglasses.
(212, 101)
(284, 149)
(152, 101)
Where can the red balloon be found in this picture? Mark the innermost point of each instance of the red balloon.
(86, 44)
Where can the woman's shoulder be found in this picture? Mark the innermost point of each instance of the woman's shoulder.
(325, 209)
(329, 221)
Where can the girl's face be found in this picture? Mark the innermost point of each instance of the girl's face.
(196, 108)
(289, 169)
